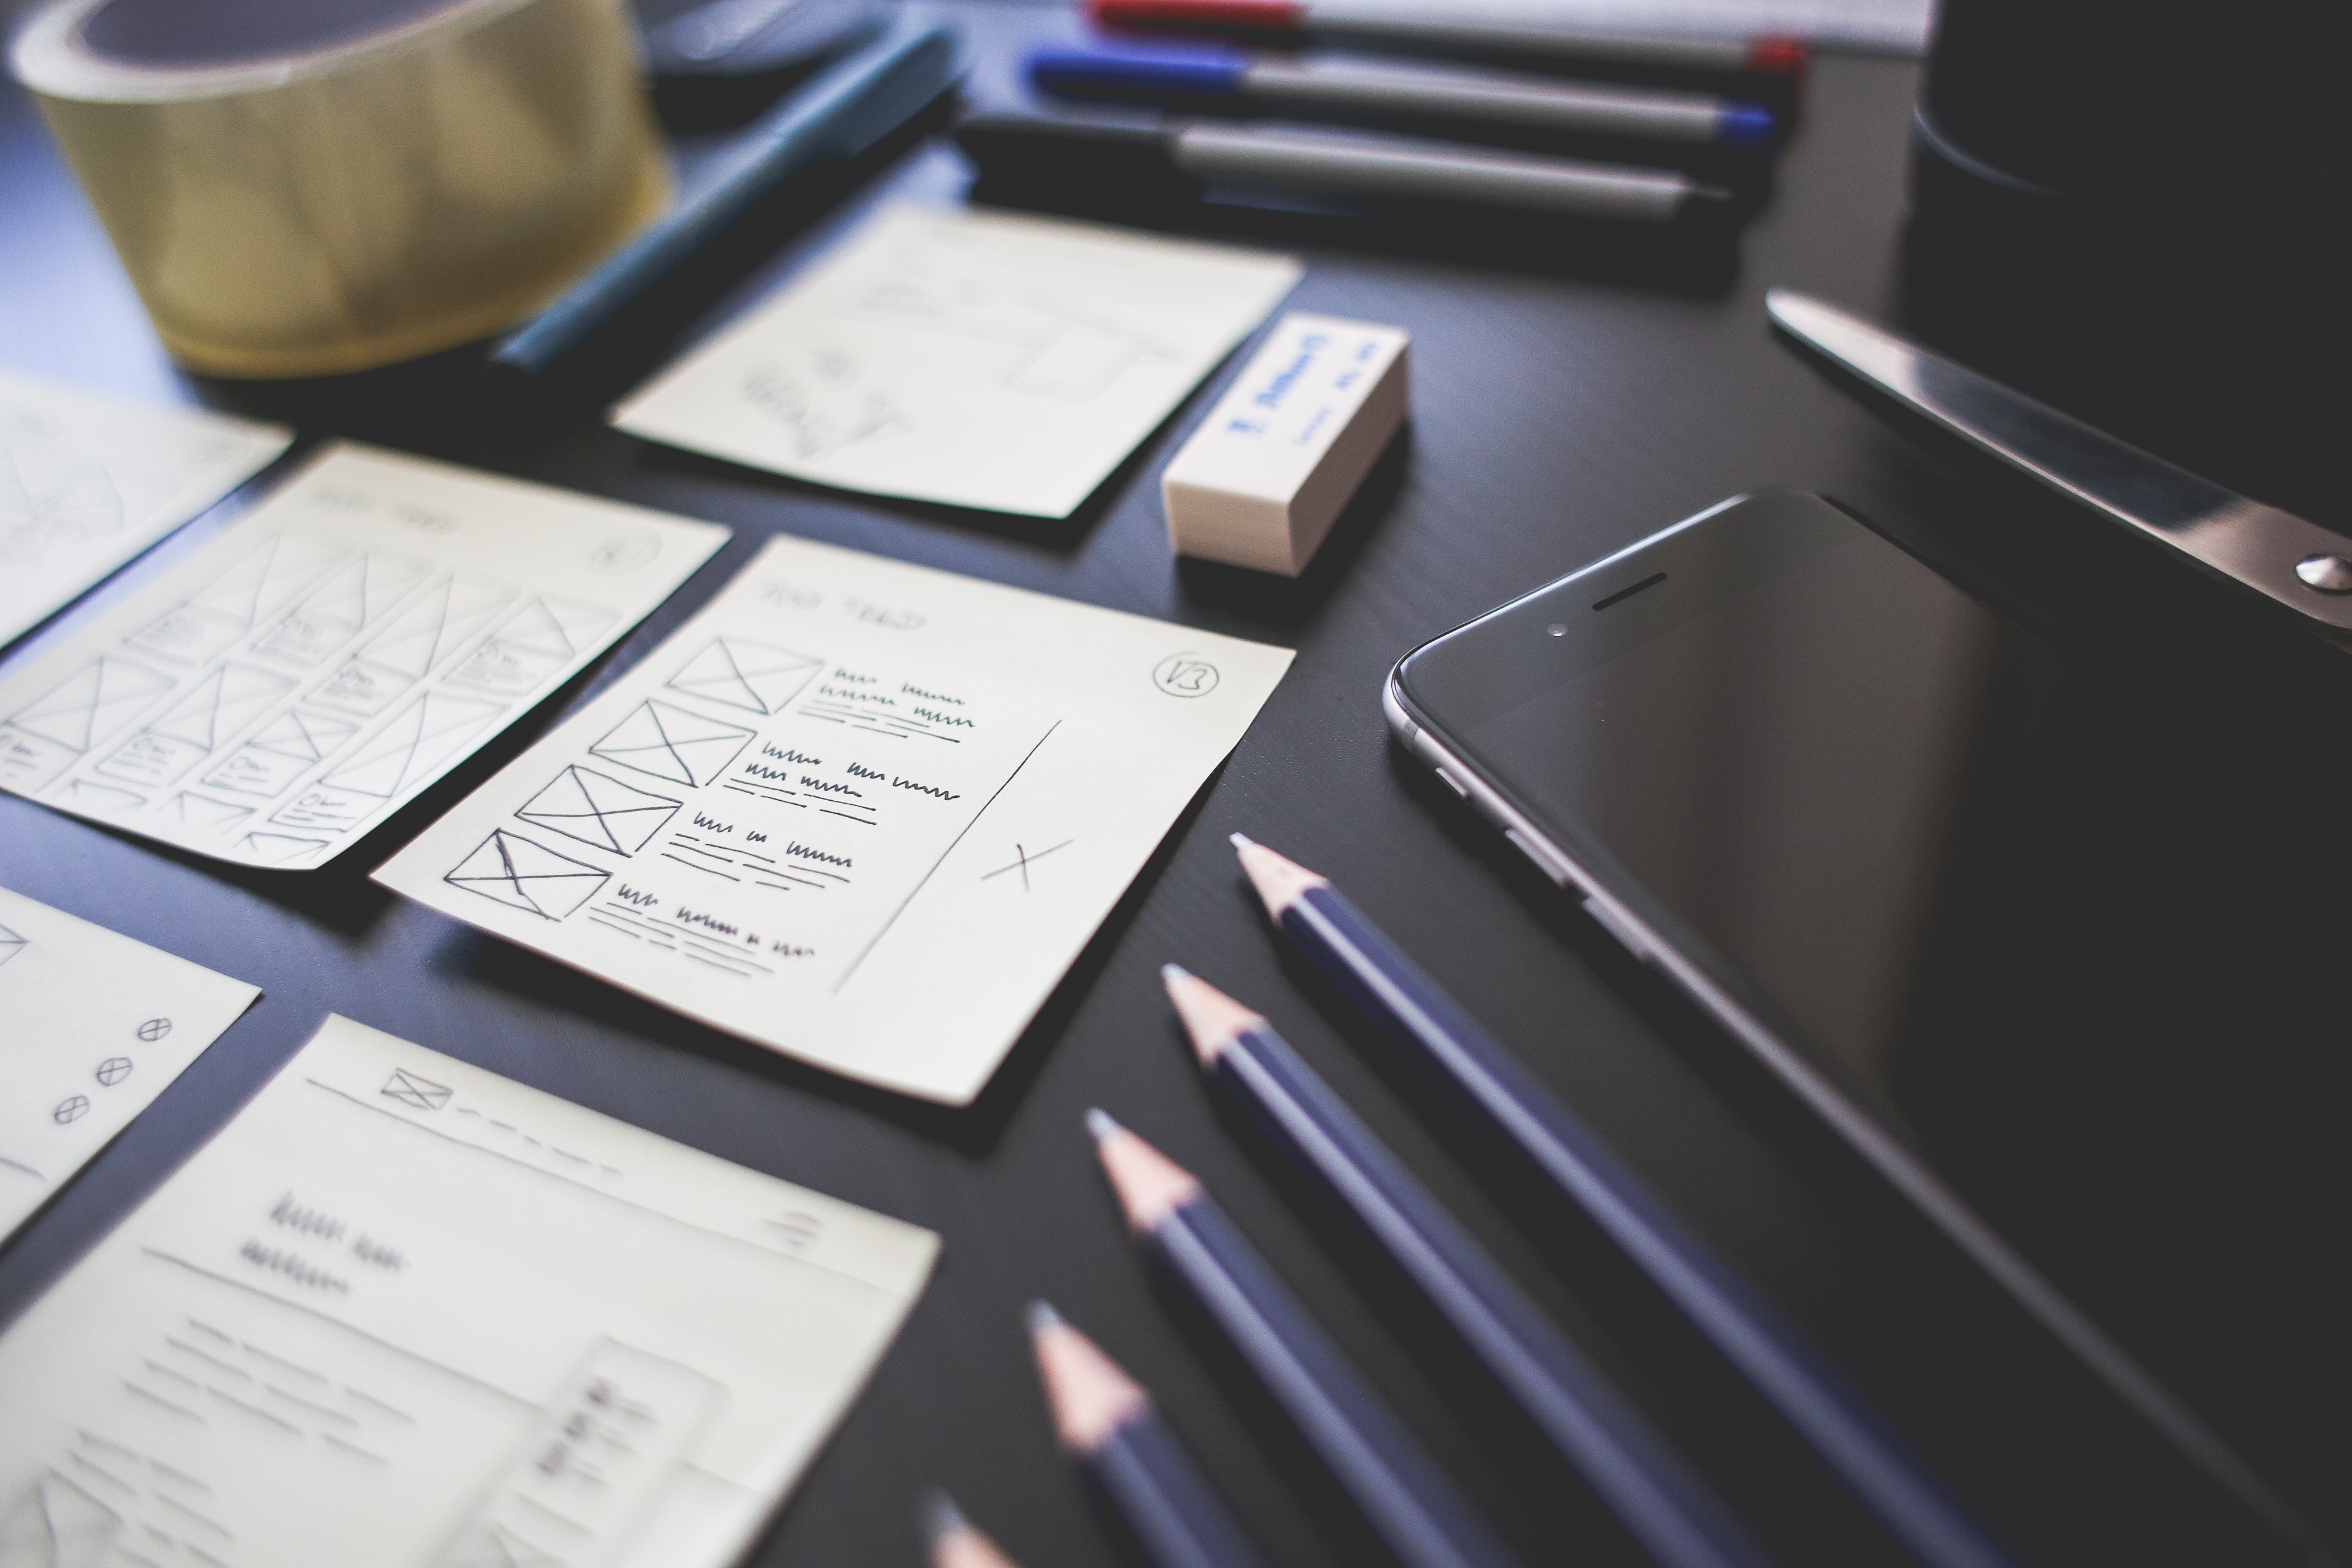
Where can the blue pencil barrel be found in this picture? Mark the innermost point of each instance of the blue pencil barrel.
(1629, 1465)
(1808, 1394)
(1417, 1513)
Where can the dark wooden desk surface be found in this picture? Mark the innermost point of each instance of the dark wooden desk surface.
(1557, 416)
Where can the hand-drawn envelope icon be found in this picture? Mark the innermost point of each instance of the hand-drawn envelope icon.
(54, 1523)
(410, 1090)
(10, 944)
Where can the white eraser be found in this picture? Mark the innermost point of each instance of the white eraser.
(1262, 480)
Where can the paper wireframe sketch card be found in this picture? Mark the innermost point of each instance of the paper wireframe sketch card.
(85, 483)
(93, 1026)
(401, 1313)
(976, 358)
(861, 812)
(354, 637)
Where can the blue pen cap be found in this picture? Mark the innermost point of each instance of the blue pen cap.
(1745, 125)
(1117, 70)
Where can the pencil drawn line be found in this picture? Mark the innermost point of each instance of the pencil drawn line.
(169, 1501)
(254, 1410)
(704, 868)
(154, 1365)
(354, 1448)
(101, 1472)
(259, 1355)
(919, 887)
(372, 1399)
(1026, 860)
(95, 1441)
(313, 1408)
(181, 1344)
(163, 1257)
(161, 1469)
(158, 1399)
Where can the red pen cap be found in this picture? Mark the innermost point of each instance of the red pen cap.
(1255, 15)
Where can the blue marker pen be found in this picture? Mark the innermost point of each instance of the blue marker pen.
(1211, 75)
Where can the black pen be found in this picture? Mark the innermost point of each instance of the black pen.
(1415, 1508)
(844, 110)
(1628, 1463)
(1183, 156)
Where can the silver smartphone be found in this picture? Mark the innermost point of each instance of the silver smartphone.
(2020, 926)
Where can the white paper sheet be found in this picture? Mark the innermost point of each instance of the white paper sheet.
(349, 640)
(93, 1026)
(980, 360)
(87, 483)
(405, 1313)
(861, 812)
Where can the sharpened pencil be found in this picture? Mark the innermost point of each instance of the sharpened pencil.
(956, 1542)
(1832, 1418)
(1107, 1423)
(1628, 1463)
(1409, 1501)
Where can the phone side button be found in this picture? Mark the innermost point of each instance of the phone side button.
(1453, 783)
(1546, 862)
(1627, 938)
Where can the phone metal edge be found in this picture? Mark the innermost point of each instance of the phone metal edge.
(1885, 1154)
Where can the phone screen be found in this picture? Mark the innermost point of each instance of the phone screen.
(2075, 936)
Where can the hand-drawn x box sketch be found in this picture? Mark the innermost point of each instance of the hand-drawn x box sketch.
(862, 812)
(277, 693)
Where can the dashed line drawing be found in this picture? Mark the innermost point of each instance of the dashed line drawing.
(599, 811)
(538, 640)
(281, 751)
(741, 673)
(93, 704)
(667, 742)
(1024, 860)
(413, 643)
(524, 875)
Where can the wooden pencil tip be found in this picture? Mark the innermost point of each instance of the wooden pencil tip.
(1090, 1395)
(1211, 1018)
(941, 1516)
(955, 1542)
(1279, 879)
(1148, 1185)
(1041, 1316)
(1099, 1123)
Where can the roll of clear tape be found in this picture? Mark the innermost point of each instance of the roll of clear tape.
(343, 205)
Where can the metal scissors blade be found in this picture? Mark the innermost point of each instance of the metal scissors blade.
(2284, 558)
